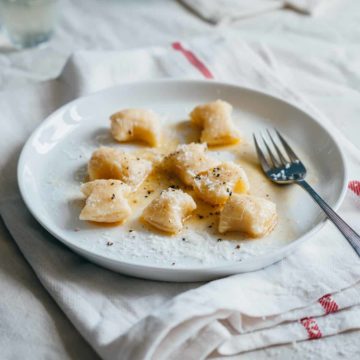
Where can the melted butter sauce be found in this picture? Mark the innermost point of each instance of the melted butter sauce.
(205, 217)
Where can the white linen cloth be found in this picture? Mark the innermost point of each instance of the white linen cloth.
(128, 318)
(220, 11)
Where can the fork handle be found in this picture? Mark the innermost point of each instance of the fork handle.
(351, 236)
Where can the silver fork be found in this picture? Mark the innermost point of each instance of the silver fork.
(287, 169)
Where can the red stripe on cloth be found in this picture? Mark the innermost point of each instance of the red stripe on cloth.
(311, 327)
(328, 303)
(354, 186)
(194, 60)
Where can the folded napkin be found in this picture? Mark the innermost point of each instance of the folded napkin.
(216, 11)
(312, 293)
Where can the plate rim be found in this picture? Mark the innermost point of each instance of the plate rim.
(279, 253)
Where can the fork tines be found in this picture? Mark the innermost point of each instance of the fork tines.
(277, 158)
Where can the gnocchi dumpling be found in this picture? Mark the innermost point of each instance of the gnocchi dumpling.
(109, 163)
(249, 214)
(217, 184)
(136, 124)
(188, 160)
(105, 201)
(169, 211)
(215, 120)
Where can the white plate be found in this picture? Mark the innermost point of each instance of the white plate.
(54, 158)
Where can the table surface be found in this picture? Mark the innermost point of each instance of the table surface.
(327, 44)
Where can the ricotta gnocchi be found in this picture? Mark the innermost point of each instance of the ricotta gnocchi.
(136, 124)
(109, 163)
(215, 121)
(216, 185)
(188, 160)
(249, 214)
(105, 201)
(169, 211)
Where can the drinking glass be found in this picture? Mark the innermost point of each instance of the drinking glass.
(28, 23)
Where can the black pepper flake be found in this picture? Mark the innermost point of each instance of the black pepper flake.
(217, 175)
(173, 264)
(230, 193)
(210, 226)
(183, 239)
(149, 192)
(200, 216)
(112, 196)
(210, 213)
(129, 132)
(130, 231)
(109, 243)
(112, 183)
(146, 196)
(237, 247)
(219, 239)
(137, 159)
